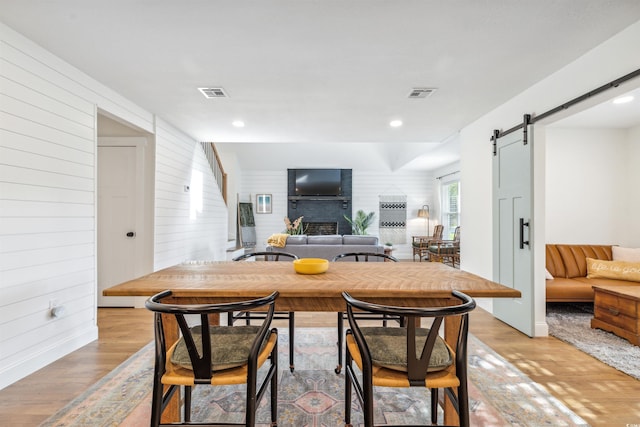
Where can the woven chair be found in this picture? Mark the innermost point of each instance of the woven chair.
(408, 356)
(359, 257)
(213, 355)
(446, 250)
(420, 244)
(289, 316)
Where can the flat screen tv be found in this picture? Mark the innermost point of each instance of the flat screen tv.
(318, 182)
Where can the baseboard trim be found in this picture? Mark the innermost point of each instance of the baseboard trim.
(17, 371)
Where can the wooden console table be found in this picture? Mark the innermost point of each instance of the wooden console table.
(616, 309)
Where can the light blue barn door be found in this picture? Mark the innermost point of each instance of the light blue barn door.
(512, 213)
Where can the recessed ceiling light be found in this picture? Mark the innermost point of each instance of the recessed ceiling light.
(395, 123)
(623, 99)
(238, 123)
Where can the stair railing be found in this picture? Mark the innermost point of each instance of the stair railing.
(216, 167)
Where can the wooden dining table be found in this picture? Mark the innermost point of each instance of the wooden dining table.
(401, 284)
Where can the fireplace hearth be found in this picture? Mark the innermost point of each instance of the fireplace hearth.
(320, 228)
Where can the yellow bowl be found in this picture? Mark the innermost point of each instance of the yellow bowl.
(310, 265)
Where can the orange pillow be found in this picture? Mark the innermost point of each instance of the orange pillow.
(619, 270)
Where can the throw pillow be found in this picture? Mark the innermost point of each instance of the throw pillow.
(277, 240)
(547, 275)
(619, 270)
(625, 254)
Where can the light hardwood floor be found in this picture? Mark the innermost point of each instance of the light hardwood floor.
(599, 394)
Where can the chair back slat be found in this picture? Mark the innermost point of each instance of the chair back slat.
(418, 367)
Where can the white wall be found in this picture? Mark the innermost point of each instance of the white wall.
(630, 236)
(189, 225)
(367, 187)
(612, 59)
(47, 202)
(589, 187)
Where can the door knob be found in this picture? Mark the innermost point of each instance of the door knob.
(131, 234)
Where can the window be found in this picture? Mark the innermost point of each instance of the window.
(450, 208)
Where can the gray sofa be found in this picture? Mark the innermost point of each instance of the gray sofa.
(328, 246)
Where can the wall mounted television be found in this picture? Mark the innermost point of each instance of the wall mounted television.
(318, 182)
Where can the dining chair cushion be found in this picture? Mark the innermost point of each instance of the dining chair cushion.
(388, 347)
(230, 346)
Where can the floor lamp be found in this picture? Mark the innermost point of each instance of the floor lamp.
(424, 213)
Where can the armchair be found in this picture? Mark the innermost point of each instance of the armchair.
(446, 250)
(421, 244)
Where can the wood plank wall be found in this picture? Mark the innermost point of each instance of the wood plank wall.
(48, 115)
(188, 225)
(419, 187)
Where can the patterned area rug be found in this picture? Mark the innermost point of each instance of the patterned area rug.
(571, 322)
(312, 395)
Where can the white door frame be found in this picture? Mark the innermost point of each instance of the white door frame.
(140, 144)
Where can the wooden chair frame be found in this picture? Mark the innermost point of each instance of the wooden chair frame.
(417, 374)
(201, 358)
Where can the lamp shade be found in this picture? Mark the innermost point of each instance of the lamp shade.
(423, 213)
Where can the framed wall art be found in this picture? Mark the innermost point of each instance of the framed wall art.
(263, 203)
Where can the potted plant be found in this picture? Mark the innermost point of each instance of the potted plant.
(295, 227)
(361, 222)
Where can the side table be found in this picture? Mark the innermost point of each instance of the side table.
(388, 251)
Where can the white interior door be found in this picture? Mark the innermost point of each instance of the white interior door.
(117, 185)
(512, 214)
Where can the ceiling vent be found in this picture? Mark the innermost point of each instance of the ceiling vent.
(213, 92)
(421, 92)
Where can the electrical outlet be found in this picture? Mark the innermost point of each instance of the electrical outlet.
(55, 308)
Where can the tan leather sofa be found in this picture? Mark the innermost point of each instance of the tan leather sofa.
(568, 266)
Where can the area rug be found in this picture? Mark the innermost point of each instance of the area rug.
(312, 396)
(571, 322)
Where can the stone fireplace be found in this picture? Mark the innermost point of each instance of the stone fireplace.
(320, 228)
(323, 215)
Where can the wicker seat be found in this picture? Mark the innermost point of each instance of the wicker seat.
(409, 356)
(213, 355)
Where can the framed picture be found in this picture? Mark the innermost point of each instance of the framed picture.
(263, 203)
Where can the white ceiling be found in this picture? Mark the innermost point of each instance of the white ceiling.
(321, 72)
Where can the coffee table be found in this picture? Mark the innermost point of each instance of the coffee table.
(616, 309)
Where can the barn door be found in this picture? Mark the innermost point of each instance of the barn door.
(512, 213)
